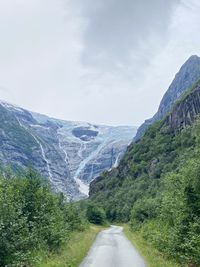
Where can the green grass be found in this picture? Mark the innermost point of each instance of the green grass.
(152, 256)
(73, 253)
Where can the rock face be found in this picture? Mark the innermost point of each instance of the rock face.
(69, 154)
(184, 79)
(185, 112)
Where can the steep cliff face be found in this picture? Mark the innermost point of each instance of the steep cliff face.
(184, 79)
(185, 112)
(68, 154)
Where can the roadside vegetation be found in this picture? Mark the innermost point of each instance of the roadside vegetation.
(36, 224)
(151, 255)
(74, 251)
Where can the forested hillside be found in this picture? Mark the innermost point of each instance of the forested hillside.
(157, 184)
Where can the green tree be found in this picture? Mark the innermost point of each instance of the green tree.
(95, 214)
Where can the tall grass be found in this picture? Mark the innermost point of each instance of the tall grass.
(152, 257)
(73, 253)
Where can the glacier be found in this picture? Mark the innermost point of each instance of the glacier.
(68, 154)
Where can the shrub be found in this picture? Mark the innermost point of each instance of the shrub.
(32, 218)
(95, 214)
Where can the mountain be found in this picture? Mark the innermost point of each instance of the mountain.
(185, 78)
(182, 117)
(157, 183)
(69, 154)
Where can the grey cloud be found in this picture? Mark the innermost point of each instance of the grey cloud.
(117, 29)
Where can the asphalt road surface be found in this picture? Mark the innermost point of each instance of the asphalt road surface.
(113, 249)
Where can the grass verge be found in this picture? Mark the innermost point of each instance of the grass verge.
(73, 253)
(152, 256)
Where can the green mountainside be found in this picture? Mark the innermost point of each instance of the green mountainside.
(157, 184)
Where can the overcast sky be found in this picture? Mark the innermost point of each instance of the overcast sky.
(101, 61)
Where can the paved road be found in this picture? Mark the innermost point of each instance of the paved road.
(113, 249)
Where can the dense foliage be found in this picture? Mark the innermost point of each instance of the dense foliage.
(157, 188)
(95, 214)
(32, 218)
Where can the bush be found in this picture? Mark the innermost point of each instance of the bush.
(95, 214)
(32, 218)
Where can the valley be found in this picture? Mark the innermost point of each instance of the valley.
(149, 184)
(99, 133)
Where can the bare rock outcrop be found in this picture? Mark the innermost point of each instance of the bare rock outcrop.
(185, 112)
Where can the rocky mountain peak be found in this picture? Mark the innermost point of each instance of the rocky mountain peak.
(188, 74)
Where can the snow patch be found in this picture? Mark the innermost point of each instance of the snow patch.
(83, 188)
(11, 107)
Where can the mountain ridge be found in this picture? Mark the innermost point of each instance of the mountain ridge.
(188, 74)
(183, 114)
